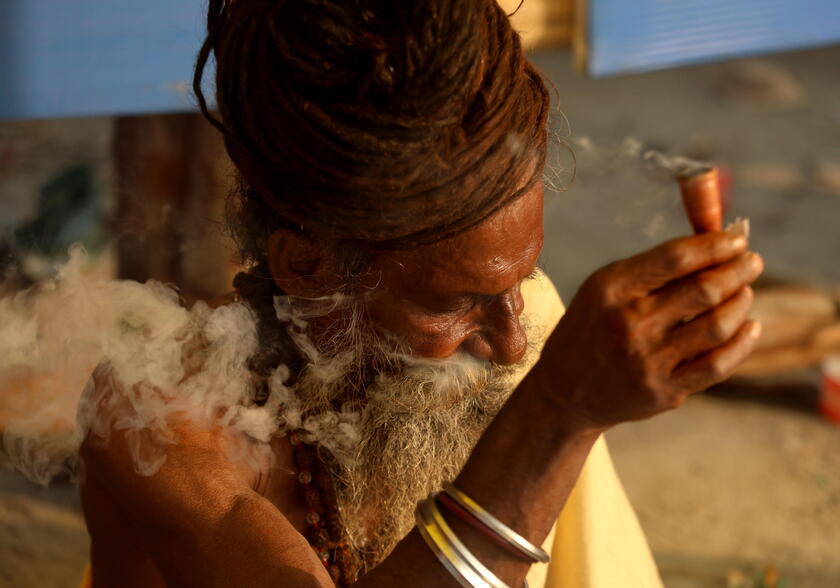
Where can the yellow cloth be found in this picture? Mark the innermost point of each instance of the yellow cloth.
(597, 541)
(87, 578)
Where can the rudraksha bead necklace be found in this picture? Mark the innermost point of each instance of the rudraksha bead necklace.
(324, 530)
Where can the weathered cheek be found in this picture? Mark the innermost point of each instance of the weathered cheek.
(425, 335)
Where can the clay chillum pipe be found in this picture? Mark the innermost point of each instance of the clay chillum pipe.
(701, 198)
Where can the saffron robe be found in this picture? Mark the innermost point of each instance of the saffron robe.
(597, 541)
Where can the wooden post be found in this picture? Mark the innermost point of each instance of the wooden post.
(172, 180)
(542, 23)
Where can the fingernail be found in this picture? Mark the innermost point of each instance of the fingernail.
(755, 329)
(756, 260)
(739, 242)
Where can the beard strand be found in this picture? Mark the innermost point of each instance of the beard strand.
(395, 427)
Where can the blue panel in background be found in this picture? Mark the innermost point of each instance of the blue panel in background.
(93, 57)
(98, 57)
(638, 35)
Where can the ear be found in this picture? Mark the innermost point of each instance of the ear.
(300, 265)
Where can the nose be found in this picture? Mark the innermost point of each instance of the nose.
(502, 338)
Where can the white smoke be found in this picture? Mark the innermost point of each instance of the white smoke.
(155, 359)
(605, 158)
(82, 354)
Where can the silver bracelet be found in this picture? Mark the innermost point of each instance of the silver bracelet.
(452, 553)
(516, 540)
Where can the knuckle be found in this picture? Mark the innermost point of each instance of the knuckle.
(626, 314)
(717, 330)
(706, 291)
(663, 398)
(630, 332)
(643, 335)
(604, 285)
(673, 257)
(674, 401)
(635, 343)
(637, 308)
(717, 370)
(650, 386)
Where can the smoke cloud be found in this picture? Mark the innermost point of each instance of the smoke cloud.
(152, 359)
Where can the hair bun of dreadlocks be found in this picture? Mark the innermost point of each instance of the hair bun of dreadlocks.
(372, 51)
(326, 44)
(377, 120)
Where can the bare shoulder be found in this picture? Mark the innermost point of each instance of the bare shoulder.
(278, 483)
(125, 518)
(118, 555)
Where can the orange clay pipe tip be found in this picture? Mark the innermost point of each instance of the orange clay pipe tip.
(702, 199)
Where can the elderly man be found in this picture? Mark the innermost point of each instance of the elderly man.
(390, 209)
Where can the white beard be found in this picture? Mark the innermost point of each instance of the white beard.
(393, 437)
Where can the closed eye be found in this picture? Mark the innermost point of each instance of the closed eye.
(537, 272)
(469, 301)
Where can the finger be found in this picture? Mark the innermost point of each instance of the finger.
(703, 291)
(717, 365)
(676, 259)
(713, 328)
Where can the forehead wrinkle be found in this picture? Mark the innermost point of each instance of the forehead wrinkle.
(491, 258)
(503, 271)
(469, 269)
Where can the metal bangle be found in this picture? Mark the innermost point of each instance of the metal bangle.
(452, 553)
(516, 540)
(451, 560)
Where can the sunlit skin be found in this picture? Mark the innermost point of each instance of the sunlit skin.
(460, 294)
(463, 294)
(641, 335)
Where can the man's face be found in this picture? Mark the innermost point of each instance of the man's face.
(425, 391)
(463, 293)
